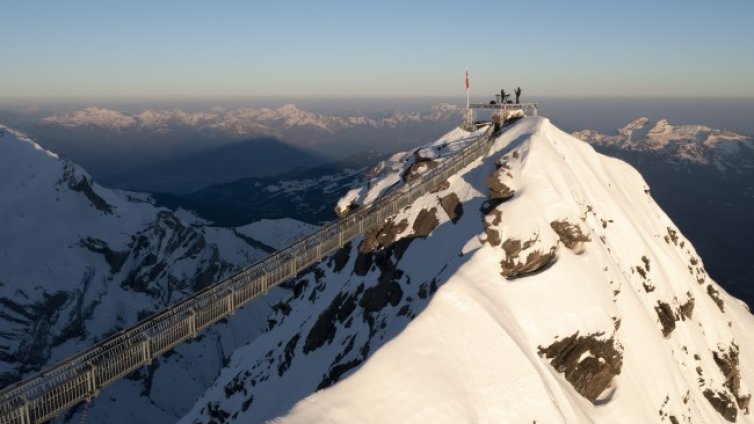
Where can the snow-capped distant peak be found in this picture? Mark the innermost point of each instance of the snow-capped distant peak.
(93, 116)
(695, 144)
(243, 121)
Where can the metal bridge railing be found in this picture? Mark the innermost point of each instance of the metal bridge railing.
(80, 377)
(526, 107)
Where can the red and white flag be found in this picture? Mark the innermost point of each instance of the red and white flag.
(467, 79)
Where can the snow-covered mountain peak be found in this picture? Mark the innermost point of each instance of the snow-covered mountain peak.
(541, 283)
(16, 144)
(635, 125)
(33, 173)
(79, 261)
(683, 144)
(289, 108)
(93, 116)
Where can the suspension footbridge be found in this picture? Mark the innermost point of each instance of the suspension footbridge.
(80, 377)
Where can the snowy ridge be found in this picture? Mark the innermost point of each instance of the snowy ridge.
(541, 283)
(405, 167)
(694, 144)
(79, 261)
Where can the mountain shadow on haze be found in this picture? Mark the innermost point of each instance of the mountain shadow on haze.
(259, 157)
(308, 194)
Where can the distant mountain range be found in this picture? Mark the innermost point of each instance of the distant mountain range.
(178, 152)
(244, 122)
(680, 145)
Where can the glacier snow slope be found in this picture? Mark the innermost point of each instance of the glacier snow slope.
(416, 323)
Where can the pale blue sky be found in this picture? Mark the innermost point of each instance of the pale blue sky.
(227, 48)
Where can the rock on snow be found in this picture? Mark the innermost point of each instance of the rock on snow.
(79, 261)
(570, 297)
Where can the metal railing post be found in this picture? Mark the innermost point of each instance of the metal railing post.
(229, 300)
(91, 381)
(146, 350)
(24, 412)
(192, 323)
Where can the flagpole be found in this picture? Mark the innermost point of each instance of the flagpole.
(468, 119)
(467, 88)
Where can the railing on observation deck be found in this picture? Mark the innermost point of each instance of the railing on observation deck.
(526, 107)
(80, 377)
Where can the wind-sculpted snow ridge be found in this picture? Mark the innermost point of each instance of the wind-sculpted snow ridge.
(541, 283)
(79, 262)
(694, 144)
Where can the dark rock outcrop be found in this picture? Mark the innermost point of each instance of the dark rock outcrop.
(489, 205)
(687, 309)
(538, 260)
(383, 294)
(82, 184)
(290, 347)
(493, 235)
(425, 222)
(667, 318)
(570, 235)
(340, 258)
(715, 295)
(115, 259)
(420, 166)
(722, 404)
(452, 206)
(498, 190)
(382, 237)
(335, 373)
(323, 331)
(588, 362)
(672, 236)
(728, 363)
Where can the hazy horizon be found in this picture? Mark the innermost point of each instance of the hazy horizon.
(602, 113)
